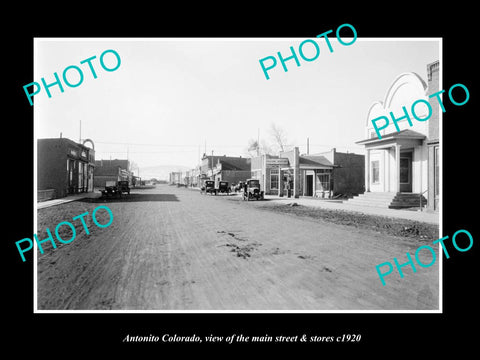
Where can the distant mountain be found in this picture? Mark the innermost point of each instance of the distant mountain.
(160, 172)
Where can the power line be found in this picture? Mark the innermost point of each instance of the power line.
(161, 145)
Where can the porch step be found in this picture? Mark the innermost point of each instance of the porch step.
(407, 200)
(387, 200)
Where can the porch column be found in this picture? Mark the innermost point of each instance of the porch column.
(367, 171)
(296, 173)
(280, 181)
(397, 167)
(264, 173)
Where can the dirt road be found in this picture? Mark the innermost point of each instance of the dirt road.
(172, 248)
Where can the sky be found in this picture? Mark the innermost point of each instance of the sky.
(171, 99)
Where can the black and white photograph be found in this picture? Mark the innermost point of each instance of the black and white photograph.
(234, 187)
(240, 180)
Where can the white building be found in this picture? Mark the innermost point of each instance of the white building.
(398, 162)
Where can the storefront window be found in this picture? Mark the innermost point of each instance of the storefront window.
(323, 182)
(274, 179)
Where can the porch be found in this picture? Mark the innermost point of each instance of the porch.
(395, 163)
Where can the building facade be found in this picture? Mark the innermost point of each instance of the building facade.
(292, 174)
(112, 170)
(175, 178)
(231, 169)
(405, 161)
(65, 166)
(348, 176)
(224, 168)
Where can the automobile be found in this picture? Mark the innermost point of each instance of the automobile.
(223, 187)
(208, 187)
(113, 188)
(251, 190)
(123, 187)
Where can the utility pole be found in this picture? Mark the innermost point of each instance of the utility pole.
(212, 162)
(308, 146)
(258, 141)
(80, 138)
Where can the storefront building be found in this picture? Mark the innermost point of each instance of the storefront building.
(112, 170)
(224, 168)
(292, 174)
(64, 166)
(406, 161)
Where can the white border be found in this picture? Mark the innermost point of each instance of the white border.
(440, 251)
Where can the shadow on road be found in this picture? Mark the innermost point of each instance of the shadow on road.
(132, 198)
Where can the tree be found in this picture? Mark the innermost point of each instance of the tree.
(255, 148)
(279, 137)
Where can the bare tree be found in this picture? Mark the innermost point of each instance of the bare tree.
(279, 137)
(134, 166)
(256, 148)
(253, 147)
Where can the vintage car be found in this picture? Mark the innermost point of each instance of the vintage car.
(123, 187)
(223, 187)
(208, 187)
(113, 188)
(251, 190)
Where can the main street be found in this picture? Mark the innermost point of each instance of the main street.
(172, 248)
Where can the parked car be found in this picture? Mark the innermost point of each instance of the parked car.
(223, 187)
(123, 187)
(208, 187)
(252, 190)
(113, 188)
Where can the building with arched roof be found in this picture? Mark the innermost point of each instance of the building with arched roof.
(403, 162)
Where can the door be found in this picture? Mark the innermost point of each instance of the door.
(71, 176)
(309, 185)
(406, 172)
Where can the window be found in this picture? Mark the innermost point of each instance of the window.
(375, 165)
(404, 171)
(323, 182)
(274, 179)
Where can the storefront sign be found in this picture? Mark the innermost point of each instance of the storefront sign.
(277, 162)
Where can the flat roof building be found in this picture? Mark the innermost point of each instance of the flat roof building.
(64, 167)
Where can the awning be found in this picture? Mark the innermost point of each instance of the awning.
(312, 162)
(406, 138)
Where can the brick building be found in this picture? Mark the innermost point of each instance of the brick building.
(432, 142)
(64, 167)
(224, 168)
(112, 170)
(348, 176)
(231, 169)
